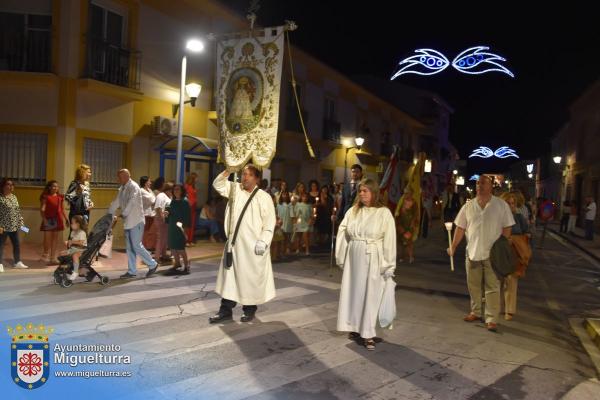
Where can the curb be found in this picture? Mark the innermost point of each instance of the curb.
(592, 326)
(579, 328)
(574, 243)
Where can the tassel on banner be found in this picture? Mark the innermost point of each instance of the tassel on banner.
(290, 26)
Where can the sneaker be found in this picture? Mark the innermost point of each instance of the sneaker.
(73, 276)
(20, 265)
(127, 275)
(1, 268)
(151, 271)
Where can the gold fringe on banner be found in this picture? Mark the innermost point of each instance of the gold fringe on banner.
(308, 145)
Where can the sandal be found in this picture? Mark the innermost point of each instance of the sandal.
(353, 336)
(370, 344)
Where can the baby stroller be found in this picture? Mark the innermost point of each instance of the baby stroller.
(95, 239)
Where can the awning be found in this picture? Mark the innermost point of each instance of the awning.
(191, 145)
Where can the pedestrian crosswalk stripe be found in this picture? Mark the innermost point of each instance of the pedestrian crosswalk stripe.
(182, 342)
(308, 281)
(31, 292)
(266, 373)
(151, 315)
(103, 301)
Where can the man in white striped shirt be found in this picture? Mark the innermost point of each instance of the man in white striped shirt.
(129, 200)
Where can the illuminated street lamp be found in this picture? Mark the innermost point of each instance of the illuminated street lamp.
(557, 159)
(193, 46)
(358, 141)
(427, 166)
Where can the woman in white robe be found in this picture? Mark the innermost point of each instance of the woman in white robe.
(366, 251)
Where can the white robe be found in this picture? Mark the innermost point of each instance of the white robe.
(250, 280)
(365, 248)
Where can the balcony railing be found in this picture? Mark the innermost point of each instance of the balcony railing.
(292, 119)
(113, 64)
(29, 52)
(331, 130)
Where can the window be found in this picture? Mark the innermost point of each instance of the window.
(105, 158)
(25, 41)
(23, 157)
(330, 109)
(108, 59)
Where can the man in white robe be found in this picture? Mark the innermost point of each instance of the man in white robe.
(250, 280)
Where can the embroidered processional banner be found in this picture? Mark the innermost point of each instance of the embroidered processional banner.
(248, 87)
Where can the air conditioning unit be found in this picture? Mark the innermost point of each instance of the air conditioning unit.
(164, 126)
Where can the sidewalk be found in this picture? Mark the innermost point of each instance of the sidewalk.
(576, 238)
(31, 254)
(592, 249)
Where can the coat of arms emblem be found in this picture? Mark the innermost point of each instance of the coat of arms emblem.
(30, 355)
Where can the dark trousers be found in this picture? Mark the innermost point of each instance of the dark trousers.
(227, 308)
(589, 229)
(564, 223)
(14, 238)
(424, 224)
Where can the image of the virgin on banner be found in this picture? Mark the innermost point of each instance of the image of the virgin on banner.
(248, 85)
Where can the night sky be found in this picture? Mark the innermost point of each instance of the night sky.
(553, 51)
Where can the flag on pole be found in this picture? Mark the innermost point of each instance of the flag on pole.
(392, 180)
(249, 66)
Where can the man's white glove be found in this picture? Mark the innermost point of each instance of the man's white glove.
(260, 248)
(388, 273)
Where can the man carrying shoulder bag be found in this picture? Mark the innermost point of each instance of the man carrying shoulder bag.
(245, 274)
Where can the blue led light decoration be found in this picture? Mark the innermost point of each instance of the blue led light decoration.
(474, 60)
(425, 62)
(501, 152)
(468, 61)
(474, 177)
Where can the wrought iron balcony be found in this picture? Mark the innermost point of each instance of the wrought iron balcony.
(113, 64)
(331, 130)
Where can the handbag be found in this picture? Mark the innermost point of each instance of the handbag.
(502, 257)
(387, 308)
(229, 253)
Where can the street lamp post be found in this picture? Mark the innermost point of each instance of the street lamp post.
(358, 141)
(195, 46)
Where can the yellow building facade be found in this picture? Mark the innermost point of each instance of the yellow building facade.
(82, 81)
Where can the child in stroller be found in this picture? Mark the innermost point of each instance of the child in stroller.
(77, 260)
(77, 243)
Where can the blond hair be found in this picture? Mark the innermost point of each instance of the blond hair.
(519, 198)
(372, 187)
(80, 173)
(509, 195)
